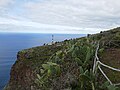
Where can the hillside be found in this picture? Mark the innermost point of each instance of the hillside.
(68, 65)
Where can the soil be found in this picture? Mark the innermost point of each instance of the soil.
(111, 57)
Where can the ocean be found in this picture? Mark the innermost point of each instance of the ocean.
(11, 43)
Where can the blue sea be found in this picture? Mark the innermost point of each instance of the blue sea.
(11, 43)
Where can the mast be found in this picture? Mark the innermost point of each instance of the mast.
(52, 39)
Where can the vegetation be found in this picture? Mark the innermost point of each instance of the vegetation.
(81, 52)
(68, 65)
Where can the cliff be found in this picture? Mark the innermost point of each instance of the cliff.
(66, 60)
(23, 72)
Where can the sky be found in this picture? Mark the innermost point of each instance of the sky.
(59, 16)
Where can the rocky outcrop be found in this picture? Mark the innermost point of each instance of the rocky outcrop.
(23, 72)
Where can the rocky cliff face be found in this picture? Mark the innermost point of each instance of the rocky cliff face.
(23, 72)
(22, 77)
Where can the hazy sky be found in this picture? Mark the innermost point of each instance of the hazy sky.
(59, 16)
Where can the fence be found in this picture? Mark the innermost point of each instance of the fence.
(98, 63)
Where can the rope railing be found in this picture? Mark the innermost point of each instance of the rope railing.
(97, 63)
(96, 58)
(117, 84)
(108, 66)
(105, 75)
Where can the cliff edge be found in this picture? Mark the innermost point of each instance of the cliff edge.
(23, 72)
(66, 65)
